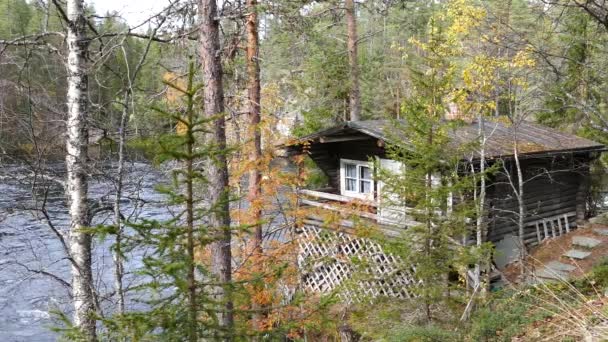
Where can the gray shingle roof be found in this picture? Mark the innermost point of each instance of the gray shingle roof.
(532, 138)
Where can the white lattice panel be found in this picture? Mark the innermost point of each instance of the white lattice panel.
(355, 267)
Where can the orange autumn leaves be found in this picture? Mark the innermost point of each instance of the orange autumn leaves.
(263, 282)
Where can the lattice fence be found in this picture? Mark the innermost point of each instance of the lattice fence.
(355, 267)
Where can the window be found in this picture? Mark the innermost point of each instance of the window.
(365, 181)
(351, 177)
(356, 178)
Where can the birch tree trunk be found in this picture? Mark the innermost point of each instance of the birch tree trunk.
(255, 154)
(217, 169)
(481, 203)
(77, 190)
(118, 256)
(521, 207)
(355, 95)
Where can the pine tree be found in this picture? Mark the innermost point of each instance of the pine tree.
(216, 166)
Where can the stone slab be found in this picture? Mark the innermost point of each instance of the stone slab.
(560, 266)
(576, 254)
(586, 242)
(547, 273)
(601, 231)
(507, 251)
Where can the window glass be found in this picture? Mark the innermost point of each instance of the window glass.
(366, 187)
(351, 177)
(351, 184)
(351, 170)
(365, 172)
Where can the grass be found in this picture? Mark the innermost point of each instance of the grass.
(555, 311)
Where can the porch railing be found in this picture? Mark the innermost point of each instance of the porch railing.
(362, 208)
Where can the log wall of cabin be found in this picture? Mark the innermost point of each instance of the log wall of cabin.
(554, 186)
(327, 155)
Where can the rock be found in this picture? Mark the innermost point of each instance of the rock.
(586, 242)
(601, 231)
(507, 251)
(548, 273)
(560, 267)
(576, 254)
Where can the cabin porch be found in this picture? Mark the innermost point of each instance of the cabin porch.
(328, 245)
(372, 210)
(327, 248)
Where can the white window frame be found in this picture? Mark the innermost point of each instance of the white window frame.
(357, 193)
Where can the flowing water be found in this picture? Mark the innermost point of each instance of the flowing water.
(32, 261)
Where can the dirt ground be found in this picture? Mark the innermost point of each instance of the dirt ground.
(552, 250)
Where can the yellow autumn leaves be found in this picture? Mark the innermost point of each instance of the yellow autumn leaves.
(473, 51)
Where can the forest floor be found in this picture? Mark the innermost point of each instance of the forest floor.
(572, 309)
(553, 250)
(585, 322)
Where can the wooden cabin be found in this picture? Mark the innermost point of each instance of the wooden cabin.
(555, 166)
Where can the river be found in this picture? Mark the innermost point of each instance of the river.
(29, 247)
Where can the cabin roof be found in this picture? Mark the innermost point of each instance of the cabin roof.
(533, 138)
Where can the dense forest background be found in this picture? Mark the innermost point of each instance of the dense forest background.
(207, 90)
(304, 63)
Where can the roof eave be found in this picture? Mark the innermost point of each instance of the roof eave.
(587, 149)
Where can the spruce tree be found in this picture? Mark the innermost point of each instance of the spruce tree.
(176, 281)
(433, 186)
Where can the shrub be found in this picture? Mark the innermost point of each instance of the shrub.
(428, 333)
(500, 321)
(599, 273)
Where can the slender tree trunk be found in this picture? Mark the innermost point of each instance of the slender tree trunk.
(429, 223)
(255, 154)
(217, 169)
(355, 95)
(192, 302)
(76, 159)
(481, 200)
(521, 207)
(122, 140)
(254, 93)
(118, 259)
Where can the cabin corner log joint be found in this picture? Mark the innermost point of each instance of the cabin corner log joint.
(556, 173)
